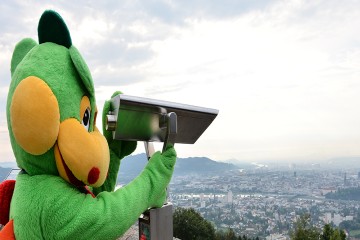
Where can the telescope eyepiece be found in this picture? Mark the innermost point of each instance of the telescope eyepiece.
(110, 122)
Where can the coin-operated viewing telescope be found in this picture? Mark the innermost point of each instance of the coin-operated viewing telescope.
(150, 120)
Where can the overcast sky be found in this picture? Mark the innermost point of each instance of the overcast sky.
(285, 75)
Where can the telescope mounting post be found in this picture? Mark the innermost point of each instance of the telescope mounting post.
(157, 223)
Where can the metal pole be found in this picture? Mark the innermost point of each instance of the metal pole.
(157, 223)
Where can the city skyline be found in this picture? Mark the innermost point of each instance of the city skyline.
(284, 75)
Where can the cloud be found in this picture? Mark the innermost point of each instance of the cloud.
(175, 12)
(284, 74)
(113, 35)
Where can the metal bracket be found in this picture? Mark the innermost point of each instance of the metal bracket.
(170, 122)
(149, 149)
(171, 130)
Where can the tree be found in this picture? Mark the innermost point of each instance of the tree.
(189, 224)
(230, 235)
(338, 235)
(327, 232)
(342, 235)
(304, 230)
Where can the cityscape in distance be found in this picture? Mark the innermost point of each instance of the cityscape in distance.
(263, 199)
(260, 199)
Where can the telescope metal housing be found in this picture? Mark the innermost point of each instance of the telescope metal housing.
(143, 119)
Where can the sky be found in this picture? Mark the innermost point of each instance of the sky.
(284, 74)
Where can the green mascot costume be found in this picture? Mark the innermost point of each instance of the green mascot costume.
(65, 189)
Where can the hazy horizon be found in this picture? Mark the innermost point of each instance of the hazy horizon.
(345, 161)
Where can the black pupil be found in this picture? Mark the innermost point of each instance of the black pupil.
(86, 117)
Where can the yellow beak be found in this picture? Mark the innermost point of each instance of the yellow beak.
(82, 157)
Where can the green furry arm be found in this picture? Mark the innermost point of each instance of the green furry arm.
(68, 214)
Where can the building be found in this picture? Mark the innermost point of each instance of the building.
(229, 197)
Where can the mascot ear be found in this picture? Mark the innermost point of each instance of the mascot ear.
(21, 49)
(82, 69)
(52, 28)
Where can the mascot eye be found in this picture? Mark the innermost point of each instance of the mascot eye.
(86, 119)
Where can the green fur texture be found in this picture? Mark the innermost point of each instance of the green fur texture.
(45, 206)
(82, 69)
(21, 49)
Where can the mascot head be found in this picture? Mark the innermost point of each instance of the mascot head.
(51, 109)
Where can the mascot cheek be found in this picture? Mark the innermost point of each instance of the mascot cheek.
(34, 116)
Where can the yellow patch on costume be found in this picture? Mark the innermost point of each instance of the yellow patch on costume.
(86, 154)
(34, 116)
(60, 166)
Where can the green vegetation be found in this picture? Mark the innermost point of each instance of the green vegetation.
(189, 224)
(304, 230)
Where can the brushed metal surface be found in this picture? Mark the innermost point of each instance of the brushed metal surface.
(144, 119)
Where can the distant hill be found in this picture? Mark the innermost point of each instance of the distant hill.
(132, 165)
(201, 165)
(4, 172)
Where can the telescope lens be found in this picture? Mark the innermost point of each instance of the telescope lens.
(110, 122)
